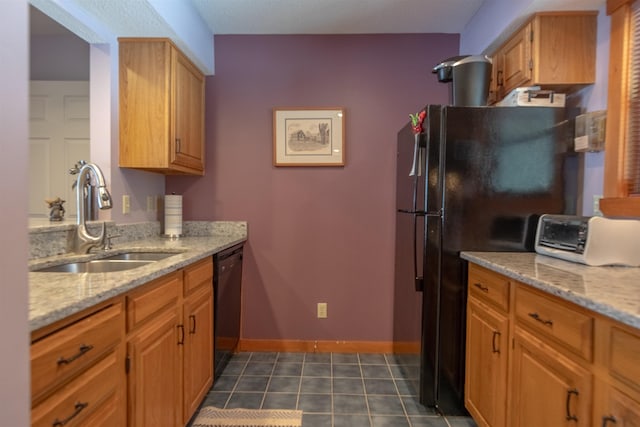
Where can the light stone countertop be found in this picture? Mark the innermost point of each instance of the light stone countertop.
(54, 296)
(610, 291)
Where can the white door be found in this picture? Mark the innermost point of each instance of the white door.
(58, 138)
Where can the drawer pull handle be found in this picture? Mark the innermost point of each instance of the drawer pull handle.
(83, 349)
(181, 330)
(570, 393)
(493, 342)
(605, 420)
(79, 406)
(192, 323)
(481, 287)
(537, 317)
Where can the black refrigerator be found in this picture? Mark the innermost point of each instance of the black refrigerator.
(475, 179)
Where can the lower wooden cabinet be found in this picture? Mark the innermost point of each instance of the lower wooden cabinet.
(198, 349)
(151, 370)
(76, 370)
(170, 348)
(486, 369)
(618, 409)
(547, 388)
(154, 372)
(558, 364)
(95, 392)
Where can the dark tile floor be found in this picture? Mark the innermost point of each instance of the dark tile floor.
(332, 389)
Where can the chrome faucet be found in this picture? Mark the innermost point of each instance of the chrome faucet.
(83, 240)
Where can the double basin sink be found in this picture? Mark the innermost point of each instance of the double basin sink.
(113, 263)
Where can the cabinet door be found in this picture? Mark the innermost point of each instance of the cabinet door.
(188, 141)
(548, 389)
(486, 364)
(198, 349)
(621, 410)
(154, 378)
(515, 60)
(494, 92)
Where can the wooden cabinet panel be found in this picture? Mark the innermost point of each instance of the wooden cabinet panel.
(198, 274)
(161, 108)
(621, 411)
(515, 58)
(75, 347)
(560, 321)
(486, 364)
(198, 349)
(624, 356)
(489, 287)
(155, 372)
(564, 49)
(145, 302)
(97, 389)
(188, 139)
(548, 389)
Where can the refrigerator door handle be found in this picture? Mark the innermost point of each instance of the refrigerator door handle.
(419, 280)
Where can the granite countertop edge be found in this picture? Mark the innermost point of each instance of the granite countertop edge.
(605, 290)
(55, 296)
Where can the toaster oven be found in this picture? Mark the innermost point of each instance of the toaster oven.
(589, 240)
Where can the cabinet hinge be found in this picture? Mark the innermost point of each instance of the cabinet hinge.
(127, 364)
(531, 36)
(531, 64)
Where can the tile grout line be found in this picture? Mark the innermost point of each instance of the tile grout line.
(331, 388)
(273, 368)
(235, 384)
(395, 385)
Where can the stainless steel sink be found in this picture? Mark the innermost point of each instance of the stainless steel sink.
(141, 256)
(113, 263)
(94, 266)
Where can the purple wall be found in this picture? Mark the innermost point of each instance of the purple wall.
(315, 234)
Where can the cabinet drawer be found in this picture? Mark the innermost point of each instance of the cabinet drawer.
(73, 403)
(624, 348)
(489, 286)
(73, 348)
(198, 274)
(556, 319)
(143, 303)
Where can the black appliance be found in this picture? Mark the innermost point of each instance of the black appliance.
(227, 291)
(469, 75)
(476, 179)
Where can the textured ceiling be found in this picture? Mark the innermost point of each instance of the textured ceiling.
(336, 16)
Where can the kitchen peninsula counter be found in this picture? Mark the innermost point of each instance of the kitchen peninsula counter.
(54, 296)
(610, 291)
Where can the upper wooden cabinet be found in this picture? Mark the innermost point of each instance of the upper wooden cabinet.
(555, 50)
(161, 108)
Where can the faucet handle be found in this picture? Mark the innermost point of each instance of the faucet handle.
(107, 241)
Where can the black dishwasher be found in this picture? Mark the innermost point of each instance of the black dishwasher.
(227, 280)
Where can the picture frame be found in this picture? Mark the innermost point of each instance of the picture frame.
(309, 136)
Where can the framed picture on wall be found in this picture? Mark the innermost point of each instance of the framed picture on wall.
(311, 136)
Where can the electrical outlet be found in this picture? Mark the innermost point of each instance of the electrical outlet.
(322, 310)
(596, 205)
(126, 204)
(151, 203)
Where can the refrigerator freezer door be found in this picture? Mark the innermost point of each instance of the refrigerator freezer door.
(407, 326)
